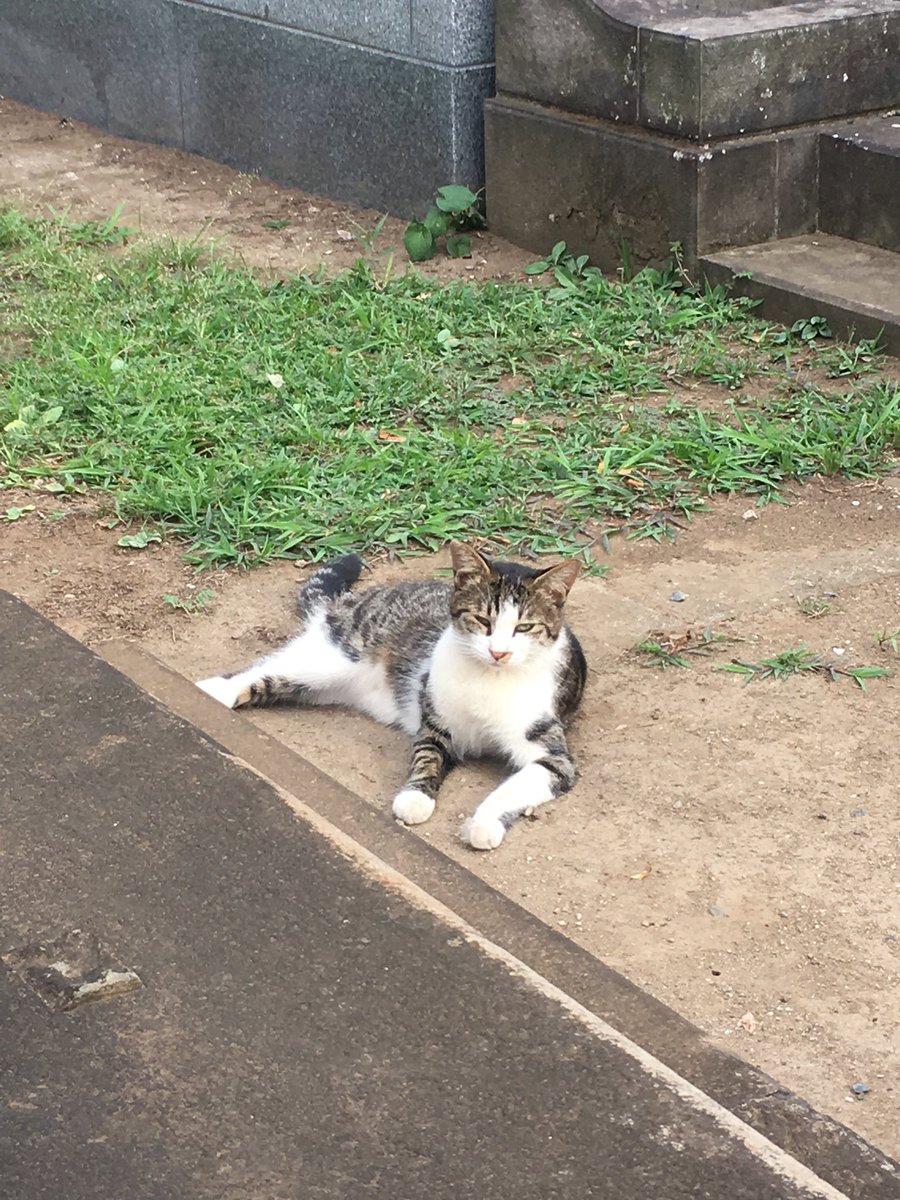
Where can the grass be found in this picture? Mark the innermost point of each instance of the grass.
(307, 416)
(191, 605)
(798, 660)
(669, 650)
(813, 606)
(888, 639)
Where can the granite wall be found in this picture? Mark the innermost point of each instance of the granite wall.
(379, 102)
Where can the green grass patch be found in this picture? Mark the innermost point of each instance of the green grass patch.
(309, 415)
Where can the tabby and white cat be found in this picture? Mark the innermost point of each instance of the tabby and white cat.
(484, 665)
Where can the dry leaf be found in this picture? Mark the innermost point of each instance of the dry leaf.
(642, 874)
(385, 435)
(344, 234)
(748, 1022)
(277, 381)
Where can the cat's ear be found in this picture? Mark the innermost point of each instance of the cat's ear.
(557, 581)
(467, 561)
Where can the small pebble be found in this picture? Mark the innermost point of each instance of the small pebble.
(858, 812)
(677, 597)
(860, 1089)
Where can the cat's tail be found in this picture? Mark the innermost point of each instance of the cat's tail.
(327, 582)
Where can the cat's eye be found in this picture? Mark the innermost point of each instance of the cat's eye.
(526, 628)
(485, 621)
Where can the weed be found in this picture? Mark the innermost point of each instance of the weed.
(813, 606)
(568, 270)
(16, 512)
(368, 237)
(192, 605)
(799, 660)
(888, 639)
(804, 331)
(138, 541)
(669, 649)
(658, 656)
(455, 210)
(842, 361)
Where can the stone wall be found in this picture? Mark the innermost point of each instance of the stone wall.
(379, 102)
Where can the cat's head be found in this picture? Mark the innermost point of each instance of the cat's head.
(504, 612)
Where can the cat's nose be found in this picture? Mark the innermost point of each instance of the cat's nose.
(499, 655)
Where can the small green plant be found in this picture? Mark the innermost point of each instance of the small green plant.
(813, 606)
(842, 361)
(14, 512)
(368, 237)
(30, 420)
(568, 270)
(191, 605)
(93, 233)
(657, 655)
(805, 331)
(454, 212)
(140, 540)
(888, 639)
(799, 660)
(668, 650)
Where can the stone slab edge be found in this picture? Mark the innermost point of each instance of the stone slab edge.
(834, 1152)
(786, 300)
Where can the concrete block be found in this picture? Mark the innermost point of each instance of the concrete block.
(771, 69)
(381, 24)
(112, 63)
(859, 182)
(455, 32)
(568, 54)
(311, 118)
(855, 287)
(593, 183)
(796, 183)
(552, 177)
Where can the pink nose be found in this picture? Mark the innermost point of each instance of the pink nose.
(499, 655)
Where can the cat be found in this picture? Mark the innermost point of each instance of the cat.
(482, 665)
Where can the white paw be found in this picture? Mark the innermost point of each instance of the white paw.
(412, 807)
(483, 833)
(220, 689)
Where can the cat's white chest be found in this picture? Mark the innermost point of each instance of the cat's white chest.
(484, 709)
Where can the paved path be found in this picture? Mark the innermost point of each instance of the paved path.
(311, 1024)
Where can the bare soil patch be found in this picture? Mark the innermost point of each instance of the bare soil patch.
(48, 160)
(732, 849)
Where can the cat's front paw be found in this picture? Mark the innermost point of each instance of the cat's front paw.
(483, 833)
(412, 807)
(221, 689)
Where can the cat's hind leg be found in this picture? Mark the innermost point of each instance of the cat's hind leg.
(304, 671)
(253, 687)
(546, 770)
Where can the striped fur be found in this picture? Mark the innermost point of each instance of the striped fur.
(484, 665)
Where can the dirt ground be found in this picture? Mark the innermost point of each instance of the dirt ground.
(732, 849)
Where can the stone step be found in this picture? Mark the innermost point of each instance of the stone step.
(859, 181)
(854, 285)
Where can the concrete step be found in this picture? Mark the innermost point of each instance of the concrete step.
(859, 181)
(854, 285)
